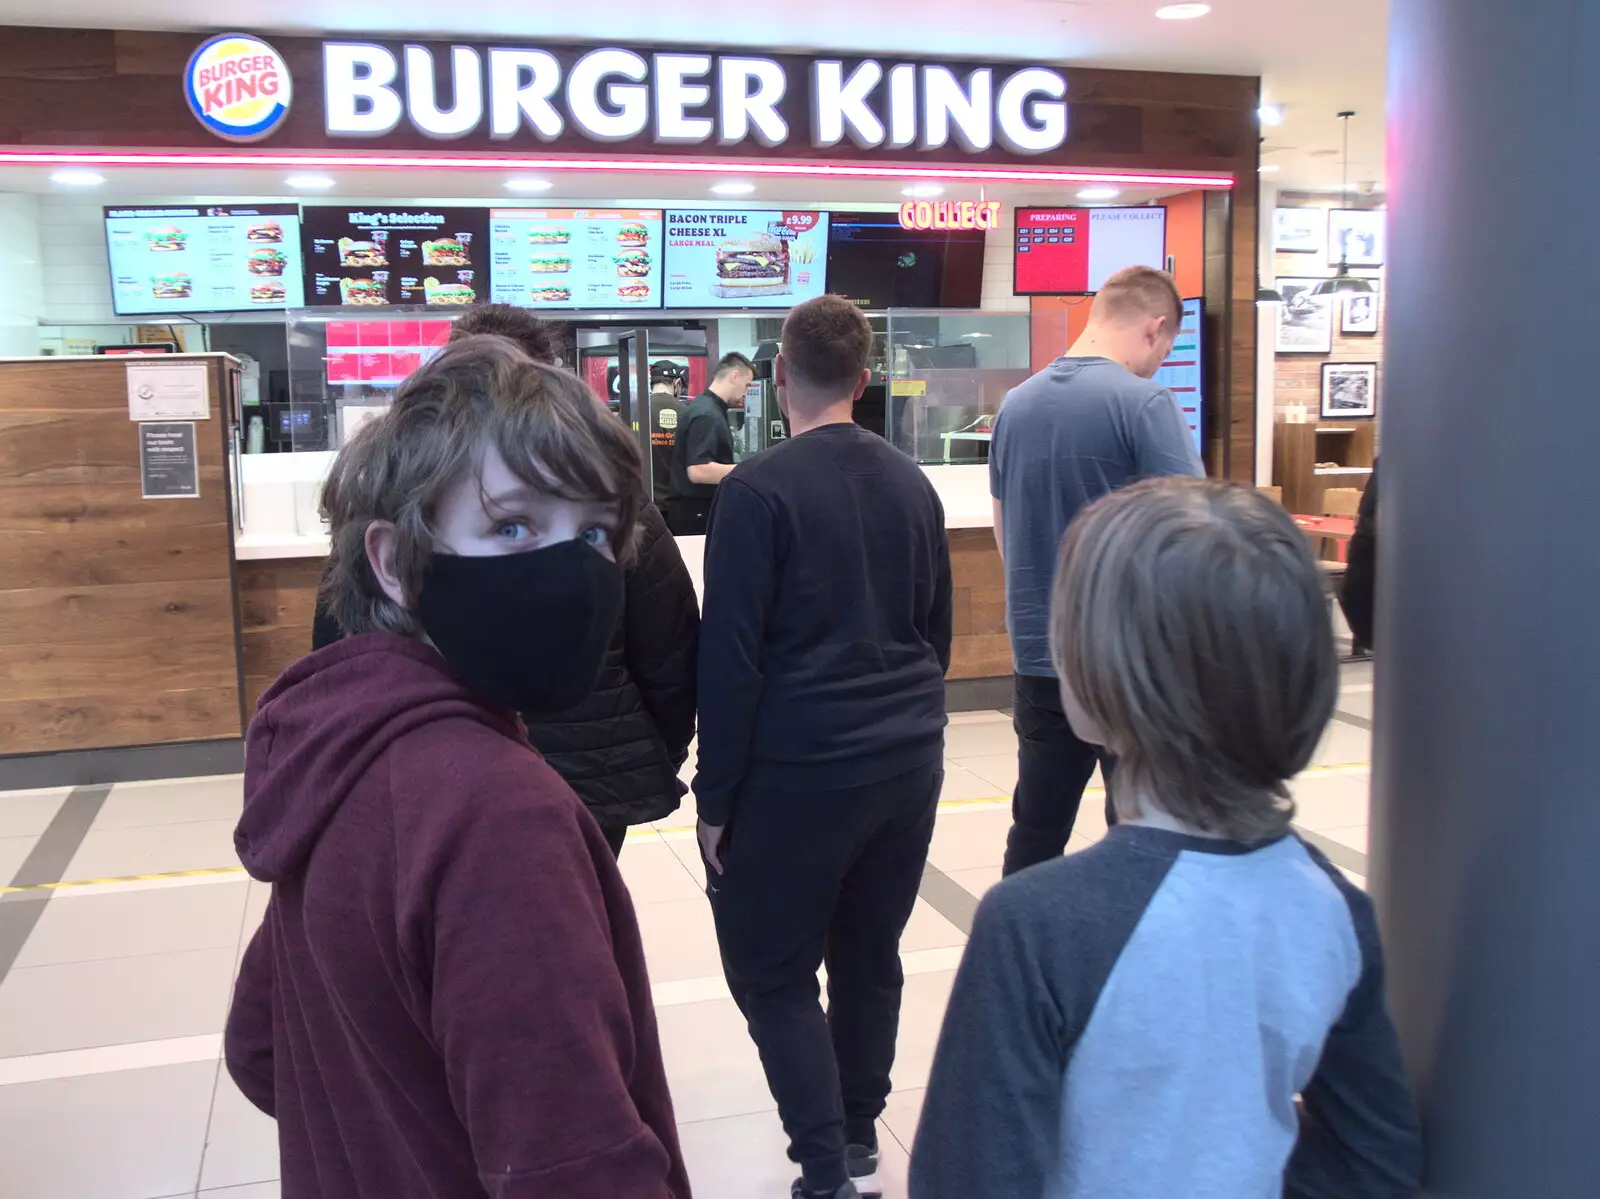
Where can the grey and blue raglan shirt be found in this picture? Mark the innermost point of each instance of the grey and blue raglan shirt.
(1135, 1022)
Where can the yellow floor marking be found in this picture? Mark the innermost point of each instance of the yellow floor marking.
(638, 831)
(125, 878)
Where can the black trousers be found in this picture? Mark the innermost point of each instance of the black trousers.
(615, 835)
(1053, 768)
(687, 517)
(814, 877)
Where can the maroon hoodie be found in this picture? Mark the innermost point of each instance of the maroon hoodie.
(448, 995)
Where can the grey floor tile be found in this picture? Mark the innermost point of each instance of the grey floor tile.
(28, 813)
(998, 770)
(84, 928)
(13, 852)
(712, 1066)
(902, 1114)
(980, 739)
(1344, 744)
(154, 849)
(116, 1001)
(242, 1144)
(256, 1190)
(172, 801)
(964, 840)
(132, 1134)
(1324, 801)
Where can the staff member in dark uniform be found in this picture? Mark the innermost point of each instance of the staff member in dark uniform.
(666, 414)
(703, 453)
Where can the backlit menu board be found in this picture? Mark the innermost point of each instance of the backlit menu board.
(744, 259)
(204, 259)
(1073, 251)
(379, 351)
(575, 257)
(1183, 373)
(369, 256)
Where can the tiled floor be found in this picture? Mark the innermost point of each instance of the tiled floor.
(112, 995)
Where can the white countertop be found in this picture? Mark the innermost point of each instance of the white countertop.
(281, 491)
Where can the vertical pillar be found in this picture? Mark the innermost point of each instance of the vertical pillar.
(22, 295)
(1486, 788)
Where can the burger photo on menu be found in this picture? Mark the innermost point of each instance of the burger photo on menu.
(264, 231)
(551, 264)
(445, 251)
(435, 292)
(633, 234)
(268, 291)
(550, 295)
(360, 253)
(752, 266)
(267, 262)
(176, 286)
(362, 292)
(550, 237)
(633, 293)
(166, 239)
(633, 264)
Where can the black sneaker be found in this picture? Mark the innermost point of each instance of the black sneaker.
(863, 1164)
(847, 1191)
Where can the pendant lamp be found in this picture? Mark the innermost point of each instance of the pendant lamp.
(1343, 282)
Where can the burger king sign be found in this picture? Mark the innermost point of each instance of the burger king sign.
(238, 87)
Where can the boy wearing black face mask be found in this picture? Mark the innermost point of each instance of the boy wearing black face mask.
(448, 993)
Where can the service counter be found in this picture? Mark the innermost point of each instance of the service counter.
(282, 545)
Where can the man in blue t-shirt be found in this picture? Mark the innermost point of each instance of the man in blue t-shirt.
(1089, 423)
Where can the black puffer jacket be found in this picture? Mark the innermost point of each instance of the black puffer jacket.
(622, 747)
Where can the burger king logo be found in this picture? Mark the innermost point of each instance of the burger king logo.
(238, 87)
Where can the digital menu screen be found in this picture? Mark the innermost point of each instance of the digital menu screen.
(359, 258)
(575, 257)
(204, 259)
(1183, 373)
(1073, 251)
(744, 259)
(876, 263)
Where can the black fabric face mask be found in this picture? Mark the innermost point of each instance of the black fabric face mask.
(527, 631)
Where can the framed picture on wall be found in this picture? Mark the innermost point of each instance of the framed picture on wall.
(1349, 389)
(1304, 321)
(1358, 315)
(1355, 236)
(1300, 230)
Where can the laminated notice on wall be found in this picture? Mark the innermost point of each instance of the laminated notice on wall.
(169, 463)
(168, 391)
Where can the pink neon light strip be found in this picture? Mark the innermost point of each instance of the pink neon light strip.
(636, 165)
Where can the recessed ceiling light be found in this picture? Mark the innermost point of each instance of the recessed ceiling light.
(922, 190)
(78, 178)
(1182, 12)
(1268, 168)
(1271, 114)
(1099, 193)
(309, 182)
(528, 185)
(733, 189)
(977, 335)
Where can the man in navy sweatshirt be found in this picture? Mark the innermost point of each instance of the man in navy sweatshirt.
(822, 714)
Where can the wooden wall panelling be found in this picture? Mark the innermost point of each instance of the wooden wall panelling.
(277, 601)
(117, 614)
(982, 648)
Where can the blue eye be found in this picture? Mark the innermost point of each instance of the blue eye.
(597, 536)
(511, 530)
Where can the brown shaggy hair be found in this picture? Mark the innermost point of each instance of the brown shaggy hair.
(479, 392)
(1188, 620)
